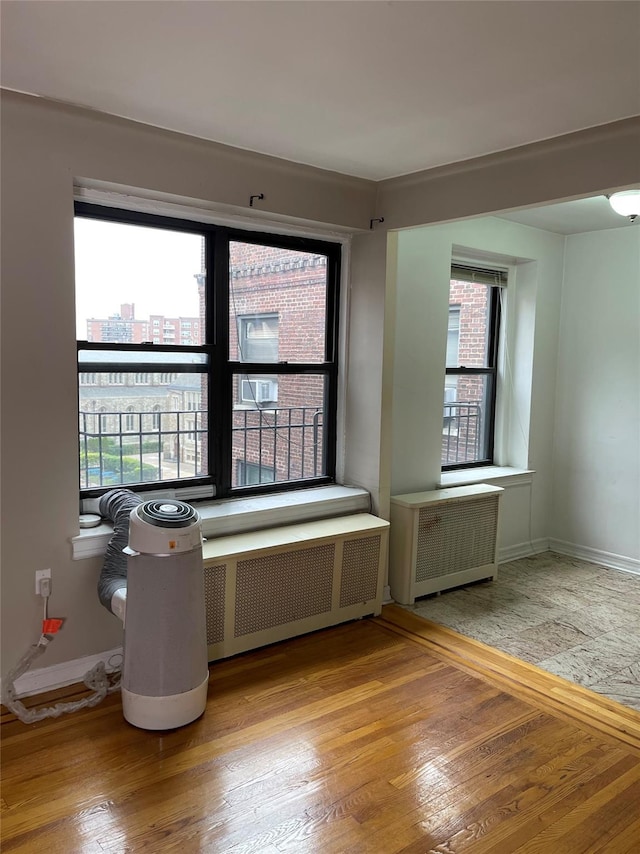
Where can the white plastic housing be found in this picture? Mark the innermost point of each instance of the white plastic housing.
(165, 669)
(167, 712)
(160, 540)
(119, 603)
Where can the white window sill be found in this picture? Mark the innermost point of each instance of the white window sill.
(237, 515)
(495, 475)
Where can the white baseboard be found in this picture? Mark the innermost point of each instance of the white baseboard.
(609, 559)
(67, 673)
(527, 549)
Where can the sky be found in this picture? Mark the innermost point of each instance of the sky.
(121, 263)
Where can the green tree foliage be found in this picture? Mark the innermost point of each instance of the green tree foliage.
(109, 465)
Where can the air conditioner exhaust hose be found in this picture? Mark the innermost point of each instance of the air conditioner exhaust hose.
(116, 505)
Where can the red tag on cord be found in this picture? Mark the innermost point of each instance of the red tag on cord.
(51, 626)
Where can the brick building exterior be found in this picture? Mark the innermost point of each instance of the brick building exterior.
(277, 313)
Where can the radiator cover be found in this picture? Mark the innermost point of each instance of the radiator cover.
(442, 539)
(266, 586)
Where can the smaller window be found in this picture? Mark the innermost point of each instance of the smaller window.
(453, 336)
(250, 474)
(129, 420)
(258, 342)
(471, 367)
(453, 347)
(258, 338)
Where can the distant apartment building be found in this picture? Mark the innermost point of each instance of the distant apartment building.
(125, 328)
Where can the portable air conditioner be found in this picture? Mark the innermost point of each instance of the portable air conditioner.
(165, 670)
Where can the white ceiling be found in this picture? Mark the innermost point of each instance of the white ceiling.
(371, 89)
(574, 217)
(374, 89)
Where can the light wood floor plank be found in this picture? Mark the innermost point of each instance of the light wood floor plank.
(530, 682)
(623, 841)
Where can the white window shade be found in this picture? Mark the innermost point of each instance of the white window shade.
(258, 338)
(479, 275)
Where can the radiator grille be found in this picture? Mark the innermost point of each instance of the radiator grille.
(214, 596)
(360, 559)
(456, 536)
(278, 589)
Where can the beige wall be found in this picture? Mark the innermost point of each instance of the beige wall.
(578, 164)
(45, 147)
(369, 356)
(535, 260)
(596, 495)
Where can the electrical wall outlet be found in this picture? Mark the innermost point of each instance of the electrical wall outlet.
(40, 574)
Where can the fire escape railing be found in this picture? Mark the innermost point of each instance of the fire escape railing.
(285, 443)
(461, 432)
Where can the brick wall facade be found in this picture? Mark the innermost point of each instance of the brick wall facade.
(286, 438)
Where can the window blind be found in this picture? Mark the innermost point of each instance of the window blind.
(479, 275)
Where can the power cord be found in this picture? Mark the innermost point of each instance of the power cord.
(97, 679)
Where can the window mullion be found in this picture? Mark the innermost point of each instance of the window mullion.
(220, 403)
(470, 371)
(332, 313)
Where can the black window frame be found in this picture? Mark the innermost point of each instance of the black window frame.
(490, 370)
(220, 369)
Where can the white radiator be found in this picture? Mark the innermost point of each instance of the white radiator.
(266, 586)
(442, 539)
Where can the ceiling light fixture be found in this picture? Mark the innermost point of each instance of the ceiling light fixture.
(626, 203)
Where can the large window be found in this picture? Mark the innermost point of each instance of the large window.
(471, 366)
(205, 355)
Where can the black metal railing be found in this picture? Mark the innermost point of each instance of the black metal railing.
(139, 447)
(144, 447)
(461, 433)
(286, 441)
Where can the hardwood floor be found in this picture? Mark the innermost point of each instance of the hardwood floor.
(367, 737)
(550, 692)
(567, 616)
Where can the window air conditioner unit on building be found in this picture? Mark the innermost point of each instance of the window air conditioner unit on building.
(260, 391)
